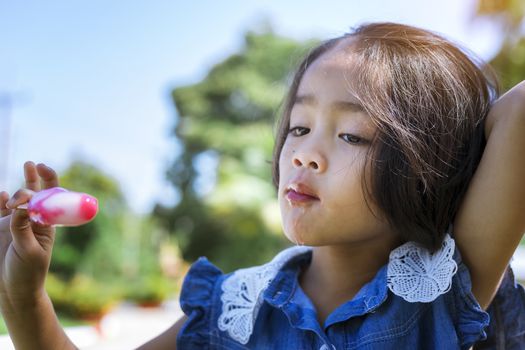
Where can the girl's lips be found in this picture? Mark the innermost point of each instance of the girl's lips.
(294, 196)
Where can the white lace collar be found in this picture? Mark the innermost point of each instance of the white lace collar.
(413, 274)
(418, 276)
(242, 294)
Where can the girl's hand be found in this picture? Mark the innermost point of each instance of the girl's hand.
(25, 246)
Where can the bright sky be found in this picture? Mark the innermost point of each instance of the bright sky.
(93, 78)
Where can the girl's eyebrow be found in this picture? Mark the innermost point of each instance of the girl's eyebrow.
(341, 106)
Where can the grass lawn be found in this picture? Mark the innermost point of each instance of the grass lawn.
(64, 321)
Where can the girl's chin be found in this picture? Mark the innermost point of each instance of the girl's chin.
(303, 239)
(311, 241)
(295, 239)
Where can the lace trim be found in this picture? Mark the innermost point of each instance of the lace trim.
(413, 274)
(242, 294)
(418, 276)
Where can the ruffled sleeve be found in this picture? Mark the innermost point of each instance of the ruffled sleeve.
(197, 300)
(471, 319)
(507, 316)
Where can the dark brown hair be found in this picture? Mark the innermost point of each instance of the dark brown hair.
(429, 100)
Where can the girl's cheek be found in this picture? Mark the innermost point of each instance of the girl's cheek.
(286, 152)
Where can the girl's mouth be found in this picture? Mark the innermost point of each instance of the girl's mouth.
(295, 196)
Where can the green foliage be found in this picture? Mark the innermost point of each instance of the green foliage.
(230, 114)
(114, 250)
(144, 280)
(95, 248)
(81, 297)
(149, 289)
(3, 326)
(246, 87)
(509, 63)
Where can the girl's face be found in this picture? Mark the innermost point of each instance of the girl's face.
(322, 161)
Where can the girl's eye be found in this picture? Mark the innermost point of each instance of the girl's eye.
(351, 138)
(298, 131)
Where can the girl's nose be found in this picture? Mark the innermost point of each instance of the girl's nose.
(309, 159)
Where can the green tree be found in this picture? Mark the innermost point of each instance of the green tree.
(94, 249)
(228, 117)
(115, 256)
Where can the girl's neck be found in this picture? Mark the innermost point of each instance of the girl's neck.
(337, 273)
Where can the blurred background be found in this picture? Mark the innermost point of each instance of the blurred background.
(165, 112)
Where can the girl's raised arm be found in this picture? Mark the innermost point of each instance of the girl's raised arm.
(491, 219)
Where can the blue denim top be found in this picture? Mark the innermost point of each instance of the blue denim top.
(374, 319)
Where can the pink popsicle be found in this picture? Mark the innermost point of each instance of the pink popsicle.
(59, 207)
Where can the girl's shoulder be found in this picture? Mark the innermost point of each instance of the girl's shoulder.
(198, 298)
(214, 300)
(444, 282)
(411, 293)
(204, 279)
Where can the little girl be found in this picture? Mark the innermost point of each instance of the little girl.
(400, 180)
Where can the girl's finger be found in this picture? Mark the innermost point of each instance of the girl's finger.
(31, 176)
(48, 175)
(4, 197)
(20, 197)
(5, 224)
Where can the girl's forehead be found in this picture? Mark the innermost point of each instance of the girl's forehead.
(333, 75)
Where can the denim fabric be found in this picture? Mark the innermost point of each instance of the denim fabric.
(374, 319)
(507, 314)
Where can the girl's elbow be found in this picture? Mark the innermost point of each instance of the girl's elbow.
(508, 111)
